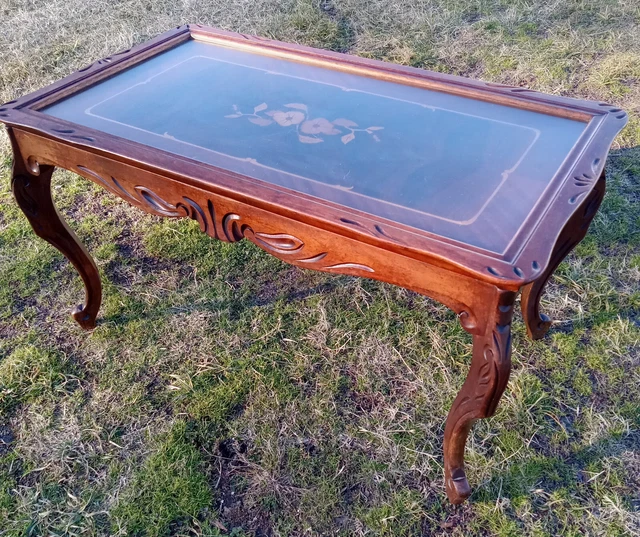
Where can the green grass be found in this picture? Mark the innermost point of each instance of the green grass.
(171, 488)
(226, 393)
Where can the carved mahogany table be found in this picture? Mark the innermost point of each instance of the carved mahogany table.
(464, 191)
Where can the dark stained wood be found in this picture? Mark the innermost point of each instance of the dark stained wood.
(522, 263)
(457, 85)
(481, 391)
(31, 186)
(575, 230)
(298, 243)
(479, 286)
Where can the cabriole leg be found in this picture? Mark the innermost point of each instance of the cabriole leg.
(480, 393)
(31, 186)
(537, 323)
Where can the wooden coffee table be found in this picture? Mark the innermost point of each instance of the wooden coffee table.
(461, 190)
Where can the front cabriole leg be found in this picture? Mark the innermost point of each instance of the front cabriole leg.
(31, 186)
(480, 393)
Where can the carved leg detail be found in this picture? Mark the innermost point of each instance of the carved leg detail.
(31, 186)
(537, 323)
(480, 394)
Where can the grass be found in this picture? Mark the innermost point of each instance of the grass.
(226, 393)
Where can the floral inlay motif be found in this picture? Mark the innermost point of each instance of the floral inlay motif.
(310, 130)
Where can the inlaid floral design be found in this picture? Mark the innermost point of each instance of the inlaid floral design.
(310, 130)
(287, 118)
(318, 126)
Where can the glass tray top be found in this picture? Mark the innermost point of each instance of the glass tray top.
(465, 169)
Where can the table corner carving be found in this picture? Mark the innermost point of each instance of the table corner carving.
(537, 323)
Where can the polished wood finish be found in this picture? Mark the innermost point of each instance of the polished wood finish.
(538, 324)
(522, 262)
(31, 187)
(479, 286)
(481, 391)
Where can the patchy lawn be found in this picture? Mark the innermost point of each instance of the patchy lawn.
(226, 393)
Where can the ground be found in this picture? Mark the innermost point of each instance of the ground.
(226, 393)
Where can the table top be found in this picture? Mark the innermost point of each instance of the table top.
(441, 163)
(459, 169)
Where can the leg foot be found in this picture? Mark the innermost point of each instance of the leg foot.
(575, 230)
(84, 318)
(458, 489)
(537, 323)
(480, 394)
(31, 186)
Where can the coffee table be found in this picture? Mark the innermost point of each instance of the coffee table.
(464, 191)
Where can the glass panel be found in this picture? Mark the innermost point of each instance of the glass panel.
(465, 169)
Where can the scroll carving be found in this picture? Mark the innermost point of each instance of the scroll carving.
(376, 231)
(71, 133)
(618, 113)
(104, 61)
(585, 181)
(5, 109)
(228, 228)
(517, 271)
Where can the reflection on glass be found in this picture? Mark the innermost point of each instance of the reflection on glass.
(450, 165)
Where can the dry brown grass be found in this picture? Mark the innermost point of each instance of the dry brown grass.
(308, 404)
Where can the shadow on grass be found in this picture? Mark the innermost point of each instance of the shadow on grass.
(562, 476)
(264, 297)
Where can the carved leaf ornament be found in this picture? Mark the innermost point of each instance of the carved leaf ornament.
(230, 228)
